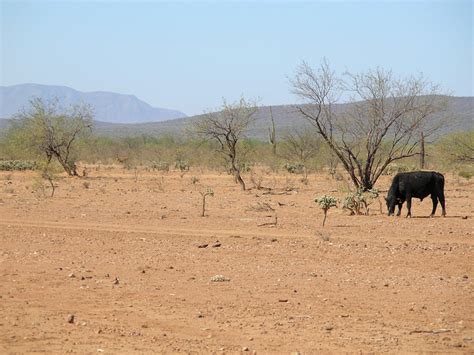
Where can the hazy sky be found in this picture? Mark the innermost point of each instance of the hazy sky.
(188, 55)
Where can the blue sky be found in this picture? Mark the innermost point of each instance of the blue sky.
(188, 55)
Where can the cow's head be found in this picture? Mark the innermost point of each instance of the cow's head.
(391, 202)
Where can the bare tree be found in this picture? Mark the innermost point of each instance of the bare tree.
(382, 124)
(299, 146)
(227, 126)
(54, 132)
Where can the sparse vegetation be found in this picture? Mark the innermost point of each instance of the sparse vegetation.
(384, 125)
(358, 202)
(204, 194)
(326, 202)
(12, 165)
(227, 127)
(52, 132)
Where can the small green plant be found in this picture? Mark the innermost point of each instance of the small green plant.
(326, 202)
(194, 180)
(358, 202)
(294, 168)
(204, 194)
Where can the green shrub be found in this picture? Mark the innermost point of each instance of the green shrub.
(358, 202)
(294, 168)
(11, 165)
(326, 202)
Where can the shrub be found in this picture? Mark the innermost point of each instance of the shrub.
(160, 166)
(244, 167)
(326, 202)
(11, 165)
(182, 165)
(358, 202)
(294, 168)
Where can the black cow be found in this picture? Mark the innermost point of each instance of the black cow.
(417, 184)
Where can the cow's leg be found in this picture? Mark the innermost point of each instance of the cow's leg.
(441, 201)
(400, 204)
(409, 206)
(434, 198)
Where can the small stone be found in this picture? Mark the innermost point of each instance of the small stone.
(328, 327)
(245, 348)
(283, 300)
(219, 278)
(216, 245)
(71, 275)
(116, 281)
(201, 246)
(70, 318)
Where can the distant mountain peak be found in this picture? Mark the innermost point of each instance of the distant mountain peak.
(108, 106)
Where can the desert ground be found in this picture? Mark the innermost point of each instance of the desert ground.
(115, 263)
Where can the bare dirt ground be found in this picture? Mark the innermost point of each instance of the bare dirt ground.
(127, 259)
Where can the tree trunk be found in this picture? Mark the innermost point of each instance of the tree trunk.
(239, 179)
(325, 216)
(422, 151)
(203, 205)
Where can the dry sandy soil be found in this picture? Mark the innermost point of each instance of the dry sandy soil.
(127, 260)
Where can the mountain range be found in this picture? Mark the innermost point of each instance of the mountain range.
(119, 115)
(458, 116)
(107, 106)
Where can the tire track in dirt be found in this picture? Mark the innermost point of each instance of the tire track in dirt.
(147, 230)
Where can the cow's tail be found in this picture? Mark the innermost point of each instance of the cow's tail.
(440, 181)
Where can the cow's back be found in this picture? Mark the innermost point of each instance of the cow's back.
(418, 183)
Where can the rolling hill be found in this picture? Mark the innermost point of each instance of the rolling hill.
(459, 116)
